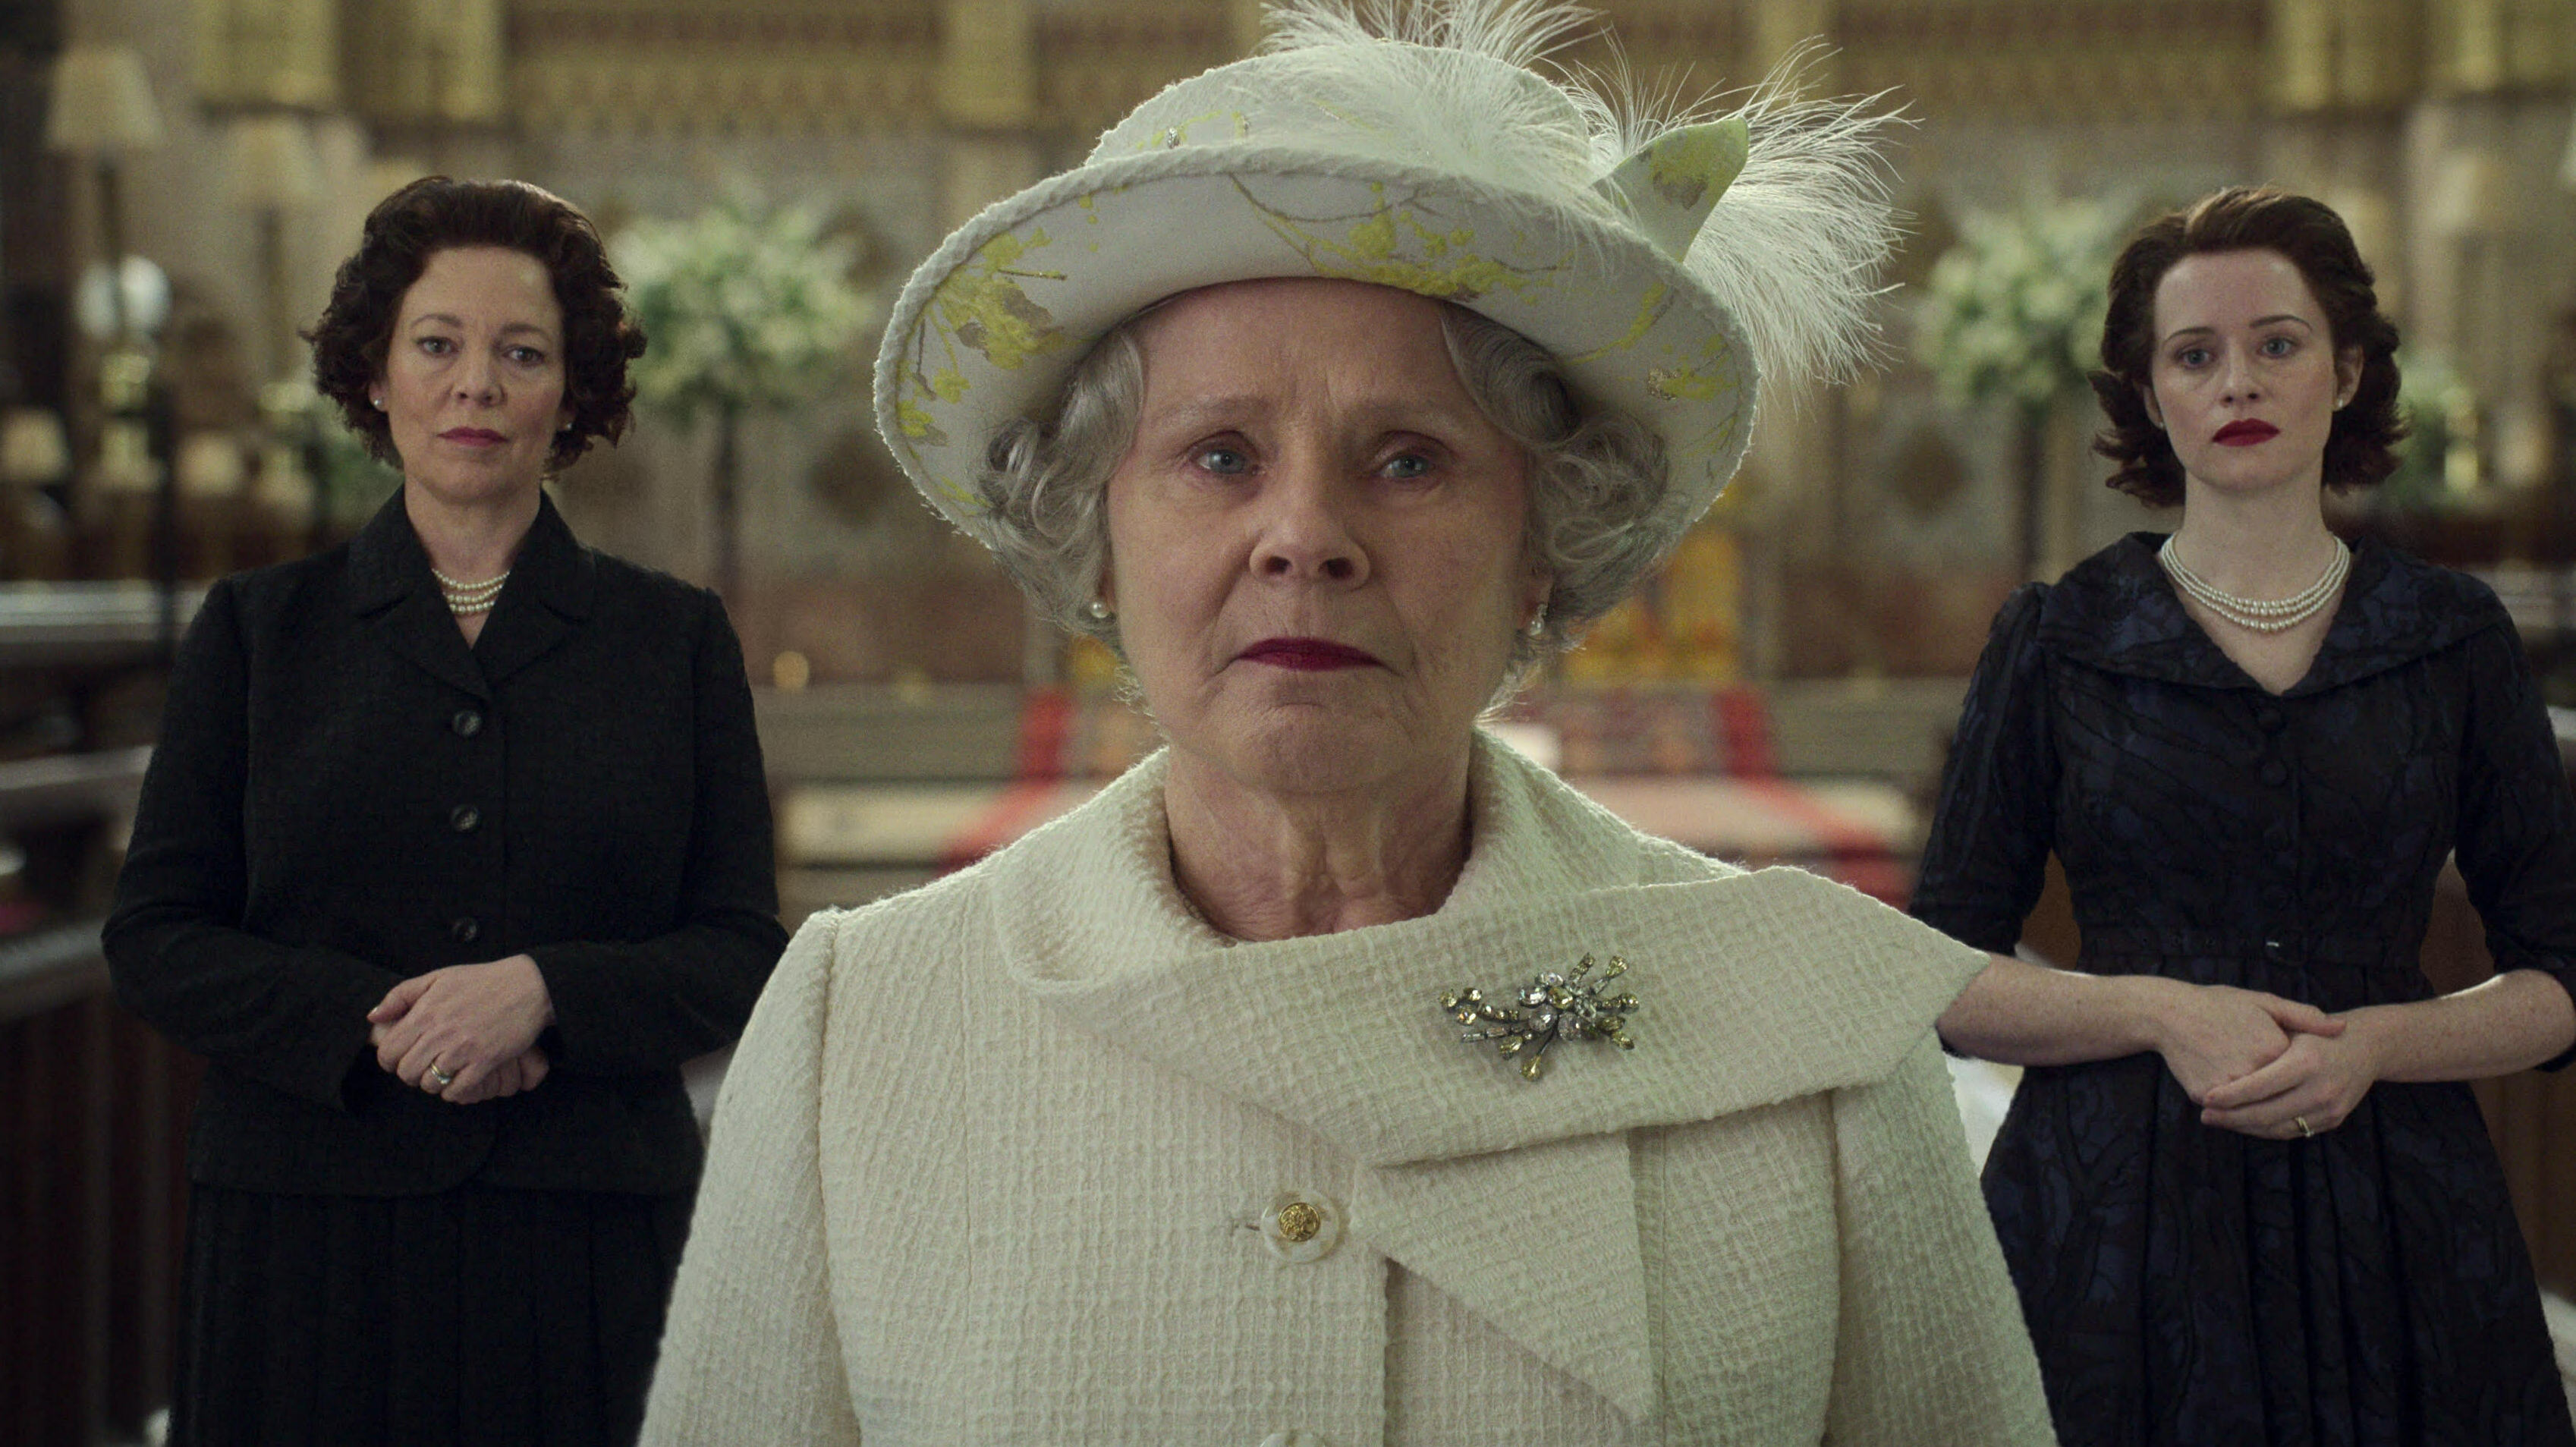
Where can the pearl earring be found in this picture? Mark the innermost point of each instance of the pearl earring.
(379, 401)
(1538, 624)
(1100, 612)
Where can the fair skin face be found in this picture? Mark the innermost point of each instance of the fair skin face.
(1317, 564)
(2241, 339)
(473, 392)
(2245, 380)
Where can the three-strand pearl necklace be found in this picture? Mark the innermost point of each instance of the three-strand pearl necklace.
(468, 598)
(2263, 615)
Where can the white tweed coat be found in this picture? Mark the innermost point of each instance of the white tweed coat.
(989, 1167)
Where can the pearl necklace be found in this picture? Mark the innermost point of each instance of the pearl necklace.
(2262, 615)
(467, 598)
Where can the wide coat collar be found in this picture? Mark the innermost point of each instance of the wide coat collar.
(2117, 611)
(552, 581)
(1516, 1198)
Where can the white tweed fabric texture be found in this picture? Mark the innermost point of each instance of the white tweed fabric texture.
(990, 1162)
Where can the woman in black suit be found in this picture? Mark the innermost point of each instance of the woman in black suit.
(455, 846)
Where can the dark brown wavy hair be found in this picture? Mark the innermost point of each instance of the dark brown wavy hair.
(435, 214)
(2360, 447)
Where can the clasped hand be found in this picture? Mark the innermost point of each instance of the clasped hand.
(476, 1024)
(2265, 1066)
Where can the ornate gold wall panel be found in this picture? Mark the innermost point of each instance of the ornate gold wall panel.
(268, 53)
(2345, 55)
(1685, 46)
(988, 62)
(2058, 60)
(760, 66)
(425, 62)
(860, 65)
(1099, 62)
(2486, 47)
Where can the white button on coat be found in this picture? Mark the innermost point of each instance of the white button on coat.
(1301, 1226)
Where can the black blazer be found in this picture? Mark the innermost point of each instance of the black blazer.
(345, 794)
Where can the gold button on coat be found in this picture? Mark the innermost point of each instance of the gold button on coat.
(1301, 1226)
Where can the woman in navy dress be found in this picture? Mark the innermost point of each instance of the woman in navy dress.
(2244, 1189)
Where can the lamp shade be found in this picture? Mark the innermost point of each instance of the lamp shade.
(2473, 198)
(273, 162)
(32, 446)
(102, 101)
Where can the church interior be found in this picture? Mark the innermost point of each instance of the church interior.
(178, 179)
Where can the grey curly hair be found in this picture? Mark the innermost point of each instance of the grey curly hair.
(1593, 480)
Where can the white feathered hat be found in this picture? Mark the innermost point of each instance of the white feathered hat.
(1668, 262)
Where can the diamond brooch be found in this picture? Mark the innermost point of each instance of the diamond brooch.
(1558, 1005)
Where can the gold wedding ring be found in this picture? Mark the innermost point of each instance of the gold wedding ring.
(2301, 1122)
(445, 1080)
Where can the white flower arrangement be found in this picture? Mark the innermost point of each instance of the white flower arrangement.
(2014, 311)
(743, 312)
(2441, 412)
(310, 442)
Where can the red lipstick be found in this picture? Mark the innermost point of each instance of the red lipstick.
(1306, 654)
(2245, 433)
(473, 436)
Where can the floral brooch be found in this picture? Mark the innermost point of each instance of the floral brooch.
(1558, 1005)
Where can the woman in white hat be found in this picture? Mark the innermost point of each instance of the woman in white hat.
(1334, 388)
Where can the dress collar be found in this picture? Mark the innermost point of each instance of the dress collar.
(552, 581)
(2117, 611)
(387, 562)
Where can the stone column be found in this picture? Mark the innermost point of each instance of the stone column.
(988, 97)
(1778, 27)
(2341, 73)
(988, 100)
(1243, 25)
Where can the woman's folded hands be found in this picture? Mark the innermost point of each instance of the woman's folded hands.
(466, 1033)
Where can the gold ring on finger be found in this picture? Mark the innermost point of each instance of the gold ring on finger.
(2301, 1122)
(444, 1080)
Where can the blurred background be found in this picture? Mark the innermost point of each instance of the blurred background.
(179, 177)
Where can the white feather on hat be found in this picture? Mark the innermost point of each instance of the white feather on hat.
(1666, 254)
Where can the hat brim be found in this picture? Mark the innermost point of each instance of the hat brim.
(988, 327)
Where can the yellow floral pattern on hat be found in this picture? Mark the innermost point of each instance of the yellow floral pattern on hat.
(989, 338)
(979, 308)
(1671, 183)
(1717, 371)
(1714, 373)
(1651, 306)
(1689, 165)
(1392, 245)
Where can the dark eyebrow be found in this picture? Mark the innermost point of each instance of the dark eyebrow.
(512, 329)
(2258, 321)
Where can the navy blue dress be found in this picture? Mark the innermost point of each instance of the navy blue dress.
(2190, 1285)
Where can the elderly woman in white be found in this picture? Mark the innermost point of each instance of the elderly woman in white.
(1337, 385)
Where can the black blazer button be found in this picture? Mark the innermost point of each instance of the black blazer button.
(2277, 838)
(465, 931)
(2270, 718)
(467, 723)
(464, 817)
(2275, 773)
